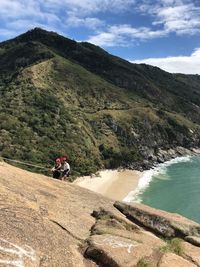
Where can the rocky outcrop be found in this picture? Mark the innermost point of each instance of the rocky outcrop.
(152, 158)
(193, 239)
(46, 222)
(170, 259)
(161, 222)
(191, 253)
(43, 222)
(116, 242)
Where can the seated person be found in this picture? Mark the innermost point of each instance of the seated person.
(57, 169)
(66, 170)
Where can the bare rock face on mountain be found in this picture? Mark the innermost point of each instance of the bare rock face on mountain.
(45, 222)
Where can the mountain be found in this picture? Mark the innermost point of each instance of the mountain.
(45, 222)
(62, 97)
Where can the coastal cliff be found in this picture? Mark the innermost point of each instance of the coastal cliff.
(45, 222)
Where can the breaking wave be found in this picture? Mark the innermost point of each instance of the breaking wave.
(159, 172)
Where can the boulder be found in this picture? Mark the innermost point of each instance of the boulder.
(171, 152)
(182, 151)
(115, 251)
(160, 222)
(191, 252)
(117, 242)
(193, 240)
(173, 260)
(160, 159)
(108, 223)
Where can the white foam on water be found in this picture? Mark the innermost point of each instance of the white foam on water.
(147, 176)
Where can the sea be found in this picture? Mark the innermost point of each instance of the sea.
(173, 186)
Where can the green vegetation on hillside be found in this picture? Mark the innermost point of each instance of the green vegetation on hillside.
(62, 97)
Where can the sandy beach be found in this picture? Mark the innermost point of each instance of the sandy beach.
(114, 184)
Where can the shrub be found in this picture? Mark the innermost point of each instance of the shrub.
(143, 263)
(174, 245)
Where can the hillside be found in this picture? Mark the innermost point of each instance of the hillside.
(63, 97)
(45, 222)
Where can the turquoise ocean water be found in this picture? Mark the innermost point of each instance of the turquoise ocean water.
(173, 186)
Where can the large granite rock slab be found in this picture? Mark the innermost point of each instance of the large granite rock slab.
(43, 222)
(172, 260)
(116, 251)
(191, 252)
(117, 242)
(193, 240)
(48, 223)
(161, 222)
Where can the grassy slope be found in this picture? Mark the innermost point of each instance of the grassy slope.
(50, 105)
(147, 81)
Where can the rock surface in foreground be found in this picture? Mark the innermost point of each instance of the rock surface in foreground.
(170, 259)
(44, 222)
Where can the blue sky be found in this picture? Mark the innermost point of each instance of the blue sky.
(164, 33)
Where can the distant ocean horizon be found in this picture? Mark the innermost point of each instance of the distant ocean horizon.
(173, 186)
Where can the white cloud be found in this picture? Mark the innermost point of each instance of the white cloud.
(88, 22)
(169, 16)
(17, 16)
(178, 16)
(107, 39)
(124, 35)
(180, 64)
(90, 6)
(56, 14)
(18, 9)
(181, 19)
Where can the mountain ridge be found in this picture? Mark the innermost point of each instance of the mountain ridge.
(61, 96)
(73, 51)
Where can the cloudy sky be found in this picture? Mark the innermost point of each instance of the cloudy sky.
(164, 33)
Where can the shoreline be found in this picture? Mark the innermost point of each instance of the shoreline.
(123, 185)
(151, 160)
(147, 176)
(114, 184)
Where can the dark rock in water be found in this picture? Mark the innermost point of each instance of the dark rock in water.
(160, 159)
(152, 157)
(145, 164)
